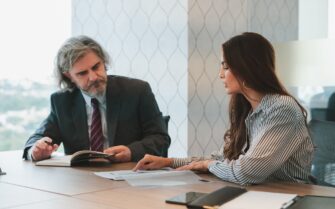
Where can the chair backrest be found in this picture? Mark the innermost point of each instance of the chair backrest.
(166, 119)
(323, 165)
(319, 113)
(331, 107)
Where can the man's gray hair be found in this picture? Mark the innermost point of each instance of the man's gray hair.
(72, 50)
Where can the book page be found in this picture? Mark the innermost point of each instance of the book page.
(259, 200)
(56, 161)
(88, 155)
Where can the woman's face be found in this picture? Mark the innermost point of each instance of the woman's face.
(230, 82)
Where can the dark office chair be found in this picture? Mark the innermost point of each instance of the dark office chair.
(319, 113)
(331, 108)
(323, 165)
(166, 119)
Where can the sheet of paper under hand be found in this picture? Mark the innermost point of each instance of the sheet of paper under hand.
(153, 177)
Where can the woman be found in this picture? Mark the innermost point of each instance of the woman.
(268, 139)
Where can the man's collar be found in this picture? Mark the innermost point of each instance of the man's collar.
(87, 98)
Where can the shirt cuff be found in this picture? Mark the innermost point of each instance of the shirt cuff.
(212, 164)
(178, 162)
(29, 154)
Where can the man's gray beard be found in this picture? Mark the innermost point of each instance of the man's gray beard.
(98, 94)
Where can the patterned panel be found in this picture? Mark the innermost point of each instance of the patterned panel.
(277, 20)
(210, 24)
(147, 39)
(175, 45)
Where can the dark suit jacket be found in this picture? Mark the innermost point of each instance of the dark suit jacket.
(133, 119)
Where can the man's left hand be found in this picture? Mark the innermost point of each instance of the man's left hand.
(121, 153)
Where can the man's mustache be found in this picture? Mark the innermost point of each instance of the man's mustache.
(96, 83)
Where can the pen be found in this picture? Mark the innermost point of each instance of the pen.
(2, 173)
(287, 204)
(210, 207)
(48, 143)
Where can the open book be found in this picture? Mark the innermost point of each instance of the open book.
(77, 158)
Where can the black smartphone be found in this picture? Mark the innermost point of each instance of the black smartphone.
(185, 198)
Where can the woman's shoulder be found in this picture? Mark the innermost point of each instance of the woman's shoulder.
(283, 103)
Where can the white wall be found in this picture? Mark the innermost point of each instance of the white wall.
(331, 19)
(313, 19)
(306, 63)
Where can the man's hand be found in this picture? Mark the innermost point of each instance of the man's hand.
(121, 153)
(196, 166)
(43, 148)
(151, 162)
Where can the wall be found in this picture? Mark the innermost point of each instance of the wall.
(313, 19)
(300, 65)
(175, 46)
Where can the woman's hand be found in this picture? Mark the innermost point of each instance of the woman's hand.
(151, 162)
(196, 166)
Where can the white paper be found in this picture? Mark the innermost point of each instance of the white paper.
(259, 200)
(122, 174)
(153, 177)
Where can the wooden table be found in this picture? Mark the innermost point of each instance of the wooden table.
(28, 186)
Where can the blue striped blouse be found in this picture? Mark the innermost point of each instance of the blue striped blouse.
(280, 146)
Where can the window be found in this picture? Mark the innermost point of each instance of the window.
(31, 33)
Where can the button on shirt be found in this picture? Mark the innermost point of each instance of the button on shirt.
(280, 146)
(89, 111)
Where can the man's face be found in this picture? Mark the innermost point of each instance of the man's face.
(89, 74)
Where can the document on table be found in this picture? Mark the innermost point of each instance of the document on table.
(123, 174)
(259, 200)
(153, 177)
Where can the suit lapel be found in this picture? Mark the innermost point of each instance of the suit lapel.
(79, 116)
(113, 102)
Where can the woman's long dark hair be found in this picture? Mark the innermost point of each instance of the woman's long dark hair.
(251, 59)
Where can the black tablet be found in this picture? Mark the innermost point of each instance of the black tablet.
(185, 198)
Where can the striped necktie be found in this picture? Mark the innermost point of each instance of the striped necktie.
(96, 139)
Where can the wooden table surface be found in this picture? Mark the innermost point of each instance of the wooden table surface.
(28, 186)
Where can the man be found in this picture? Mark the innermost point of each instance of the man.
(114, 114)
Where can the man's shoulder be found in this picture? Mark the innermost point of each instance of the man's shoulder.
(64, 94)
(125, 80)
(127, 83)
